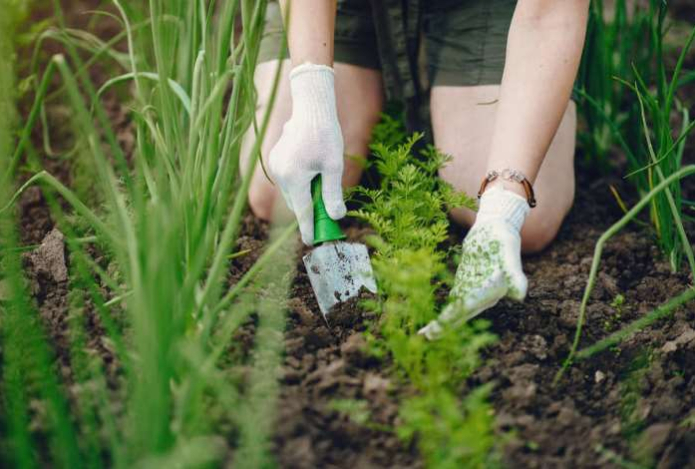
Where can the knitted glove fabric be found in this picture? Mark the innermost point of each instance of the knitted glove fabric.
(311, 144)
(490, 267)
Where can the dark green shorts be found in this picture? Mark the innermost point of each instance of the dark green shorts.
(464, 40)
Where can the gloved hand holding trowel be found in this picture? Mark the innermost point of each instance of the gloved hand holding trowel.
(522, 138)
(307, 164)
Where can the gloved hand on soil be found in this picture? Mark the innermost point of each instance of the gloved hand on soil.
(490, 267)
(311, 144)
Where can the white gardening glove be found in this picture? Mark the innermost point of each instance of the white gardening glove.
(311, 144)
(490, 267)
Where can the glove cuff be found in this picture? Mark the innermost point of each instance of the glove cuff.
(499, 204)
(313, 92)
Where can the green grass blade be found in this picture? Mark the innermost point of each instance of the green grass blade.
(598, 251)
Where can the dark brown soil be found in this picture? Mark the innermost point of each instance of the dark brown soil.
(630, 403)
(683, 10)
(631, 400)
(326, 362)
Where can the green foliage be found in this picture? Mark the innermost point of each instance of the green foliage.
(660, 312)
(632, 423)
(664, 152)
(409, 209)
(452, 433)
(689, 421)
(617, 304)
(390, 130)
(410, 281)
(618, 39)
(355, 410)
(12, 12)
(166, 220)
(256, 411)
(653, 149)
(25, 357)
(627, 99)
(409, 213)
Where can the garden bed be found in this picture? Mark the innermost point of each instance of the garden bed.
(628, 401)
(633, 402)
(636, 397)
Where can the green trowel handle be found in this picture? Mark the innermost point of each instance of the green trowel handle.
(325, 228)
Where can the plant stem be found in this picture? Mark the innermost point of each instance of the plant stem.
(617, 337)
(598, 250)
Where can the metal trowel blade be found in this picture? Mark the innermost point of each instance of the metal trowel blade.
(337, 271)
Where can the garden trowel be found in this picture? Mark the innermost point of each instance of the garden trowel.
(337, 269)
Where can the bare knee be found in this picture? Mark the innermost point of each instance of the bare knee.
(540, 230)
(356, 137)
(357, 132)
(544, 221)
(359, 98)
(535, 239)
(262, 201)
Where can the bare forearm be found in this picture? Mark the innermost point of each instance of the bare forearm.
(310, 28)
(545, 43)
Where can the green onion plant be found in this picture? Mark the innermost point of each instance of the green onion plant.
(167, 219)
(625, 94)
(618, 40)
(664, 149)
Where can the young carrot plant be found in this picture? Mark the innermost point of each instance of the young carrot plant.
(408, 212)
(410, 208)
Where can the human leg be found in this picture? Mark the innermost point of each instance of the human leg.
(463, 121)
(359, 98)
(358, 89)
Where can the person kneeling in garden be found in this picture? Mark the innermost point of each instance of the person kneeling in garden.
(500, 74)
